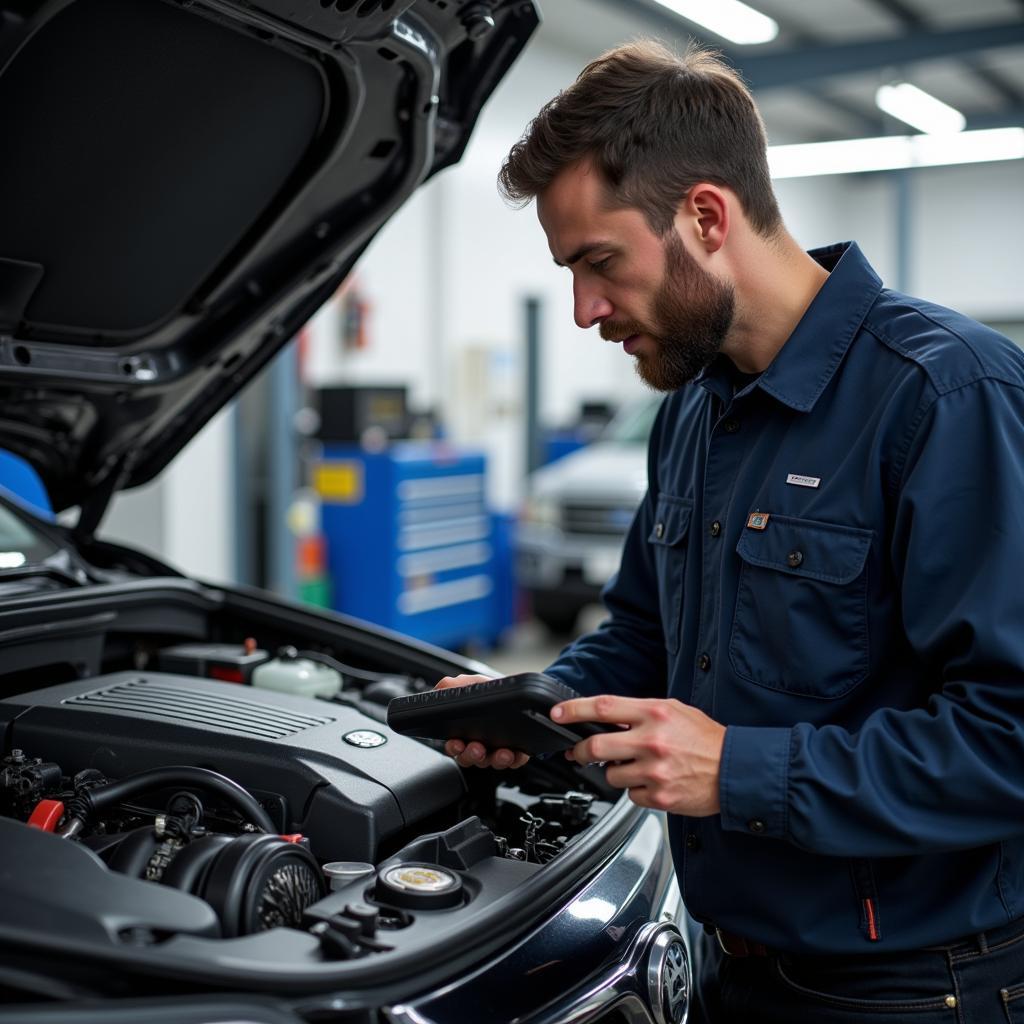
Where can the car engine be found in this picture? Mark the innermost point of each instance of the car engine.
(273, 810)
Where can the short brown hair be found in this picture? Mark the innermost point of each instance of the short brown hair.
(654, 124)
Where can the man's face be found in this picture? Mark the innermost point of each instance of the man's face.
(644, 291)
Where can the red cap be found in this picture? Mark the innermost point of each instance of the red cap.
(47, 815)
(293, 837)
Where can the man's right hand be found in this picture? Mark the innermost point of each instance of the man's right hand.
(475, 754)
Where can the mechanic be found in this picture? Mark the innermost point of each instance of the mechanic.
(816, 636)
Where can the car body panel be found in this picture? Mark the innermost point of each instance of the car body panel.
(191, 183)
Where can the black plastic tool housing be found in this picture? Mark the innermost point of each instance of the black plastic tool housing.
(512, 712)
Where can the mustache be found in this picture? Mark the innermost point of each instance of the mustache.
(620, 330)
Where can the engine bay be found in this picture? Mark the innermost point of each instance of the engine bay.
(169, 803)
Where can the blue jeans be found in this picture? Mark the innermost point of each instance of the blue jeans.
(979, 980)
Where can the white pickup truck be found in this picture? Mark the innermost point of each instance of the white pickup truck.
(571, 531)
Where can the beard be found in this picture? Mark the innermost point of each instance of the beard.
(691, 315)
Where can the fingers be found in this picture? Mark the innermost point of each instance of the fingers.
(609, 746)
(605, 708)
(475, 755)
(503, 758)
(449, 681)
(627, 776)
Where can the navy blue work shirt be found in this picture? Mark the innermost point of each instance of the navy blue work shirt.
(830, 562)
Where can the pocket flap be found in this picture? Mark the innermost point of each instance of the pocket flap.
(671, 520)
(807, 547)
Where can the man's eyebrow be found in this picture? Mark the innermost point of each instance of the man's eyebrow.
(582, 251)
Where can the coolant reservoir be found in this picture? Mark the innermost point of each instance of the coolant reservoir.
(301, 676)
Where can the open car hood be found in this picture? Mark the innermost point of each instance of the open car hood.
(185, 183)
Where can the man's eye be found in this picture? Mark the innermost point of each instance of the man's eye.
(601, 265)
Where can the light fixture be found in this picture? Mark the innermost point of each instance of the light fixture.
(919, 109)
(894, 152)
(729, 19)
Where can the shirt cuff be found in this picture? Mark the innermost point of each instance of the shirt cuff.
(754, 779)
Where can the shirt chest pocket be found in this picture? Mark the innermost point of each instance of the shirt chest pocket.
(668, 541)
(801, 620)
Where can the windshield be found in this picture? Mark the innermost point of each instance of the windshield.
(633, 424)
(20, 544)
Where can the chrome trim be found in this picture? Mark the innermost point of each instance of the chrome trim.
(629, 983)
(669, 977)
(603, 953)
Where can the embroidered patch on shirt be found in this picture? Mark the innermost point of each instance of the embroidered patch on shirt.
(757, 521)
(803, 481)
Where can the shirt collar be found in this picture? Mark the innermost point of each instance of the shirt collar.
(806, 363)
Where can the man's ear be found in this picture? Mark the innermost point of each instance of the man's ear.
(704, 214)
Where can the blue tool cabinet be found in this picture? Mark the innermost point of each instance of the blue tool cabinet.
(409, 539)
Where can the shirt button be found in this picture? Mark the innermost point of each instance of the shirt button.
(716, 528)
(692, 842)
(704, 663)
(794, 558)
(659, 530)
(731, 425)
(756, 825)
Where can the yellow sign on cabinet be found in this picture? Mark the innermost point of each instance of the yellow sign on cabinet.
(340, 482)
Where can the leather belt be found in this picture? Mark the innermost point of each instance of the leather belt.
(736, 945)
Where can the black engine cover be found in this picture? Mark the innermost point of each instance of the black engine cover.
(291, 752)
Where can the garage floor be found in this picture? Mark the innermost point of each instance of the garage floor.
(531, 648)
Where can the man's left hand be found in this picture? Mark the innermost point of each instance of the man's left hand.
(668, 758)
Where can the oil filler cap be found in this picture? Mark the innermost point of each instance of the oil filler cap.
(416, 886)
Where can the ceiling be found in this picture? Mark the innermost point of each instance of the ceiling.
(816, 81)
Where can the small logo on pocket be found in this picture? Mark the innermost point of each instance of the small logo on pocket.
(803, 481)
(757, 521)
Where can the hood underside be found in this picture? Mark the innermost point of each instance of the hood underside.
(186, 183)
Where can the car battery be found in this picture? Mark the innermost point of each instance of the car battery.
(229, 663)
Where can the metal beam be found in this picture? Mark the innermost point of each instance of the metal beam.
(870, 122)
(906, 16)
(805, 44)
(282, 471)
(671, 25)
(1012, 117)
(799, 66)
(998, 84)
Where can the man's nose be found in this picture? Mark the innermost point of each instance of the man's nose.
(589, 305)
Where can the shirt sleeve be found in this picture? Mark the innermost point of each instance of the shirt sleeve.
(626, 654)
(947, 775)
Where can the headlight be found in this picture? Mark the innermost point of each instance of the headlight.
(541, 511)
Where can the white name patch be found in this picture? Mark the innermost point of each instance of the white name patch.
(803, 481)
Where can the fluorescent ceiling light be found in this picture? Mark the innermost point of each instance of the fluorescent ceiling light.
(919, 109)
(729, 19)
(894, 152)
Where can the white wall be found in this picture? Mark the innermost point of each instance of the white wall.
(820, 211)
(186, 516)
(965, 226)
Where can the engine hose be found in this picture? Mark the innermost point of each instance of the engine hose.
(346, 671)
(102, 797)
